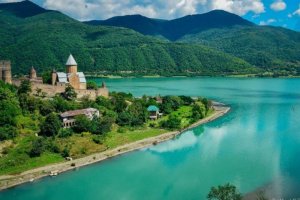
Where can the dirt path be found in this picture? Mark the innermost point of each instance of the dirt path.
(8, 181)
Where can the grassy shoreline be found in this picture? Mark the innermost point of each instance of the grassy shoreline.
(7, 181)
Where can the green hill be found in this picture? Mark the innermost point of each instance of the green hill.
(23, 9)
(263, 46)
(44, 41)
(266, 47)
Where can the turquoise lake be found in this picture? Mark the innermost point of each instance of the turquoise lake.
(255, 146)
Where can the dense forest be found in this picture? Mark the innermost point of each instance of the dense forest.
(269, 48)
(45, 40)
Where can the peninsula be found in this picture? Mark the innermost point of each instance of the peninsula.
(45, 130)
(8, 181)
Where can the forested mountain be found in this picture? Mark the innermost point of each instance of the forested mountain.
(263, 46)
(45, 40)
(217, 42)
(139, 23)
(266, 47)
(177, 28)
(23, 9)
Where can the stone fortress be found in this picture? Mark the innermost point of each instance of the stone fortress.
(5, 71)
(59, 81)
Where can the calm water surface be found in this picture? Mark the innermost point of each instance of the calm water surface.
(255, 146)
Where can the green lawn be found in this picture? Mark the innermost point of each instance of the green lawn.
(115, 139)
(17, 163)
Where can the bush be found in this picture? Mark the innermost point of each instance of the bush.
(65, 152)
(124, 118)
(69, 93)
(102, 126)
(98, 139)
(82, 124)
(7, 132)
(37, 147)
(46, 107)
(122, 130)
(197, 112)
(227, 191)
(152, 125)
(187, 100)
(91, 85)
(83, 150)
(173, 122)
(65, 132)
(51, 125)
(9, 107)
(51, 146)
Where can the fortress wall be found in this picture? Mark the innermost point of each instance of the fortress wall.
(93, 94)
(49, 90)
(52, 90)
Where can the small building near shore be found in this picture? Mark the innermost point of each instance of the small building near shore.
(154, 113)
(68, 117)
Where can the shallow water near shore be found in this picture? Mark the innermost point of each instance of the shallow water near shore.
(254, 146)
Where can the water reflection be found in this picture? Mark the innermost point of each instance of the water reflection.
(186, 140)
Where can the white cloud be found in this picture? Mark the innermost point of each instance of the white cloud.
(297, 12)
(102, 9)
(268, 22)
(278, 5)
(8, 1)
(239, 7)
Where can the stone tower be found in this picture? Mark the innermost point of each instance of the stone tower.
(53, 77)
(5, 71)
(32, 74)
(71, 65)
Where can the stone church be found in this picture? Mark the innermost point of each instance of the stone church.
(59, 81)
(71, 76)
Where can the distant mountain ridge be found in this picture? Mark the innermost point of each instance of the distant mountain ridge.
(23, 9)
(267, 47)
(176, 28)
(214, 43)
(44, 39)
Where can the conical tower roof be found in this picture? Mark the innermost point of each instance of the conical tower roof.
(32, 69)
(71, 61)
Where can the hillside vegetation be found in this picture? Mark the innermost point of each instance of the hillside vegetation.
(45, 40)
(266, 47)
(269, 48)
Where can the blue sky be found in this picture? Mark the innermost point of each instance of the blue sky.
(285, 13)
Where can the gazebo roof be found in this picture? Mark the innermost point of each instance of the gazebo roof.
(152, 108)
